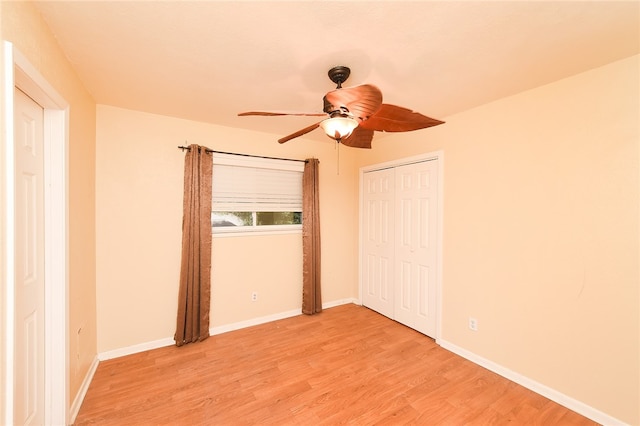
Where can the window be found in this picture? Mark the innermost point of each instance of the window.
(256, 195)
(222, 219)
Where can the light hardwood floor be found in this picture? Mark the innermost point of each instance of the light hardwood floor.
(347, 365)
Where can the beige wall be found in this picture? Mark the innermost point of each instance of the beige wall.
(22, 25)
(139, 178)
(541, 233)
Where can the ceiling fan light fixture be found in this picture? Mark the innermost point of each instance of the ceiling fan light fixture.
(339, 127)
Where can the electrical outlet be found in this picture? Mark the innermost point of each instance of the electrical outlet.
(254, 296)
(473, 324)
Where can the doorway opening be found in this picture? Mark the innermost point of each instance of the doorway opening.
(19, 73)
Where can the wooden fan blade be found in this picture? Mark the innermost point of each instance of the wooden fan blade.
(299, 133)
(278, 113)
(360, 138)
(392, 118)
(361, 101)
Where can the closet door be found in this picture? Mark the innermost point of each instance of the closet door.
(378, 240)
(415, 246)
(399, 244)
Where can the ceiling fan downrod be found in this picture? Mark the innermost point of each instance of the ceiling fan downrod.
(339, 75)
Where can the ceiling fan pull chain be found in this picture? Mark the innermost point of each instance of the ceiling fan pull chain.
(338, 162)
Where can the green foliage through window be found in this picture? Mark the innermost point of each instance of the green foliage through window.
(278, 218)
(254, 219)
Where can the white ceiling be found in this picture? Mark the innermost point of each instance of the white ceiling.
(209, 60)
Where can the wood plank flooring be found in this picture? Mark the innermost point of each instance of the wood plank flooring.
(347, 365)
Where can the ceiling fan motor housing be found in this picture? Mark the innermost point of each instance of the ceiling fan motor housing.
(331, 109)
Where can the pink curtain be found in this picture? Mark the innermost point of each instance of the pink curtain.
(311, 294)
(195, 270)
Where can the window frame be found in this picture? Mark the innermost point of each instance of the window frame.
(255, 162)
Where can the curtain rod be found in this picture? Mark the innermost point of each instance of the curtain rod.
(189, 149)
(244, 155)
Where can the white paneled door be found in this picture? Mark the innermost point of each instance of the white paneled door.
(415, 247)
(29, 258)
(379, 241)
(400, 243)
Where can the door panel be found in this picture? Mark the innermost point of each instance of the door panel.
(29, 252)
(378, 232)
(415, 250)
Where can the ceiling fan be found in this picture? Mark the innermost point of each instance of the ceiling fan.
(355, 113)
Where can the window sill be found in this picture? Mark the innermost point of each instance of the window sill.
(254, 232)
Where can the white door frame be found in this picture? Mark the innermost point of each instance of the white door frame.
(18, 72)
(436, 155)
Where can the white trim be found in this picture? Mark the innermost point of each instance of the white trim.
(134, 349)
(9, 238)
(339, 302)
(435, 155)
(20, 73)
(82, 392)
(56, 320)
(252, 231)
(552, 394)
(440, 237)
(254, 321)
(273, 317)
(147, 346)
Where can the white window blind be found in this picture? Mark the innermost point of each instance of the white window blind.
(259, 185)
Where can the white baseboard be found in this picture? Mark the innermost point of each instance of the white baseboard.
(539, 388)
(84, 387)
(340, 302)
(134, 349)
(253, 321)
(155, 344)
